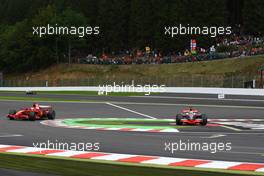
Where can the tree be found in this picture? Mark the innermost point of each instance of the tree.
(123, 25)
(254, 17)
(70, 18)
(113, 20)
(12, 11)
(20, 51)
(141, 28)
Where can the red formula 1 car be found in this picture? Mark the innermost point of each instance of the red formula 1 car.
(191, 116)
(33, 113)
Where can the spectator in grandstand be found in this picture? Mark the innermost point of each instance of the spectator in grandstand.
(212, 52)
(187, 52)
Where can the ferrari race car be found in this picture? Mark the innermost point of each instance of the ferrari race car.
(33, 113)
(191, 116)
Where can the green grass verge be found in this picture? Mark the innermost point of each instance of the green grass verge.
(247, 66)
(158, 124)
(81, 167)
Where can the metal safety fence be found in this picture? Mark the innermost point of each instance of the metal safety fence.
(221, 81)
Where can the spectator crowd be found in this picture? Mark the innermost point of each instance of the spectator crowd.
(234, 46)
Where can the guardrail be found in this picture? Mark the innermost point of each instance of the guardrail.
(185, 80)
(187, 90)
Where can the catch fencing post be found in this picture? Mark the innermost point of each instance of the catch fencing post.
(232, 79)
(192, 80)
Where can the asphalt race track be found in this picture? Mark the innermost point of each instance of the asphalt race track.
(247, 144)
(206, 99)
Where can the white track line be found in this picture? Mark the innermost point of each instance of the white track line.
(215, 136)
(26, 150)
(67, 153)
(200, 98)
(163, 161)
(113, 157)
(129, 110)
(3, 146)
(184, 104)
(153, 160)
(10, 135)
(260, 170)
(231, 128)
(137, 103)
(218, 164)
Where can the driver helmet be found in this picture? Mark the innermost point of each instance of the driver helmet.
(35, 105)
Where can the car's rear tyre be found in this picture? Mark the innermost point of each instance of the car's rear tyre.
(51, 115)
(32, 116)
(204, 120)
(178, 119)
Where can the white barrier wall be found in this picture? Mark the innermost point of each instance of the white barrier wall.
(225, 91)
(201, 90)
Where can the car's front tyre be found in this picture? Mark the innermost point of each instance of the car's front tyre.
(51, 115)
(178, 119)
(204, 120)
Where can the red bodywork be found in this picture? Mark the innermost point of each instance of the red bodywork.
(192, 122)
(191, 116)
(24, 114)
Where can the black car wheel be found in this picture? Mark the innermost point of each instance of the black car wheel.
(51, 115)
(204, 120)
(32, 116)
(178, 119)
